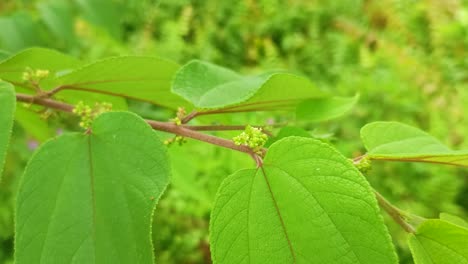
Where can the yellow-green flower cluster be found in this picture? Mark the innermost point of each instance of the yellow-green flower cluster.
(88, 114)
(177, 139)
(364, 165)
(31, 75)
(252, 137)
(180, 115)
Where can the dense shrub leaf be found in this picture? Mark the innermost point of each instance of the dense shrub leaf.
(89, 198)
(209, 86)
(7, 110)
(19, 31)
(400, 142)
(103, 14)
(307, 204)
(439, 242)
(58, 17)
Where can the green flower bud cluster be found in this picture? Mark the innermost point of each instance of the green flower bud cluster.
(88, 114)
(177, 121)
(177, 139)
(364, 164)
(252, 137)
(30, 75)
(180, 115)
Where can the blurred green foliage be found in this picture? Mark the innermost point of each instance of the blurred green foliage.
(407, 59)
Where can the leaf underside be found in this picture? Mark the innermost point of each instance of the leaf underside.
(209, 86)
(307, 204)
(89, 198)
(400, 142)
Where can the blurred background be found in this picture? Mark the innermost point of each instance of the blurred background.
(408, 60)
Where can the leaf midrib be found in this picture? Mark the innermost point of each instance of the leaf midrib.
(323, 209)
(93, 196)
(279, 215)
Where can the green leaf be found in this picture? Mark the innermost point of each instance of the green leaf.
(439, 242)
(395, 141)
(4, 54)
(142, 78)
(32, 123)
(57, 63)
(7, 110)
(12, 68)
(321, 109)
(453, 219)
(89, 198)
(307, 204)
(209, 86)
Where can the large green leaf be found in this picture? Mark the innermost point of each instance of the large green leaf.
(439, 242)
(7, 110)
(89, 198)
(209, 86)
(141, 78)
(307, 204)
(400, 142)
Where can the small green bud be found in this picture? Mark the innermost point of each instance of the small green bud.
(364, 164)
(41, 74)
(181, 113)
(177, 139)
(177, 121)
(30, 75)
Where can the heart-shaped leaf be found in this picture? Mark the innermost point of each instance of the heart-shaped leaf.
(399, 142)
(306, 204)
(89, 198)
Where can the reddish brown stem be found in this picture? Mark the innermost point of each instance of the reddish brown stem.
(44, 102)
(169, 127)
